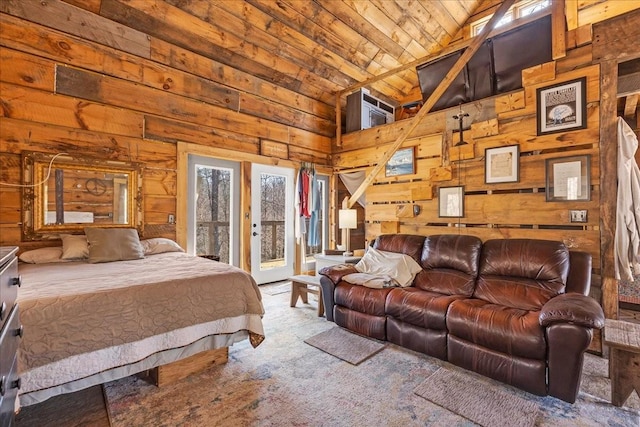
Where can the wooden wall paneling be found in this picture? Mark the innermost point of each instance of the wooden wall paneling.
(602, 11)
(539, 73)
(109, 90)
(162, 129)
(76, 21)
(191, 62)
(119, 64)
(260, 107)
(18, 135)
(576, 58)
(48, 43)
(188, 85)
(157, 208)
(388, 133)
(173, 25)
(591, 72)
(159, 182)
(27, 70)
(301, 154)
(399, 192)
(312, 141)
(45, 107)
(90, 5)
(523, 131)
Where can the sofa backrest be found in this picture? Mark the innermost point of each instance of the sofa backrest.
(522, 273)
(408, 244)
(450, 264)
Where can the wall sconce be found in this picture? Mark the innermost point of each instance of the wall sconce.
(347, 220)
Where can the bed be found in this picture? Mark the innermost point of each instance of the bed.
(89, 323)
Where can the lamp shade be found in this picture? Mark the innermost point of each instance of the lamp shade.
(347, 218)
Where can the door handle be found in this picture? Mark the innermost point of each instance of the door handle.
(254, 233)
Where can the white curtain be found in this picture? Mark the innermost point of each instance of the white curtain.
(352, 181)
(627, 237)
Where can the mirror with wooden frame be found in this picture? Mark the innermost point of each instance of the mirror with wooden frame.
(65, 194)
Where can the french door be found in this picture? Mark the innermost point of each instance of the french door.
(214, 208)
(272, 232)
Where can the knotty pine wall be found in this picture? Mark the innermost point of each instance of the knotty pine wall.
(74, 81)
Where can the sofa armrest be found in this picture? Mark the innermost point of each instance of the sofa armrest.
(572, 308)
(329, 278)
(338, 271)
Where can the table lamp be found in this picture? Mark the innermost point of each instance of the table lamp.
(347, 220)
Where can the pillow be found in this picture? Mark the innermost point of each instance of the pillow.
(42, 255)
(113, 244)
(400, 267)
(159, 245)
(74, 246)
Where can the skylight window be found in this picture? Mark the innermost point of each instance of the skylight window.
(518, 10)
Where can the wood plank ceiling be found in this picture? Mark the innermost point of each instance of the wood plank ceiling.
(315, 48)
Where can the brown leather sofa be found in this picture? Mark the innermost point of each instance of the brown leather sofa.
(515, 310)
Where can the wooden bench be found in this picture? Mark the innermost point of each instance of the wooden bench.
(301, 285)
(623, 339)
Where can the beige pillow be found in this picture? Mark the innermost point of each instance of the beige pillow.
(159, 245)
(113, 244)
(74, 246)
(42, 255)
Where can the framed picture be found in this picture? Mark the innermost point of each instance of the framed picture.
(562, 107)
(501, 164)
(451, 202)
(401, 163)
(568, 178)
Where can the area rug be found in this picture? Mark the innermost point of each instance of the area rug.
(345, 345)
(285, 382)
(489, 405)
(276, 289)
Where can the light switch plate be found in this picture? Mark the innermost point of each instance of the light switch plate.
(172, 219)
(578, 215)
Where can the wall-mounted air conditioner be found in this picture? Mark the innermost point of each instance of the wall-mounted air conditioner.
(365, 111)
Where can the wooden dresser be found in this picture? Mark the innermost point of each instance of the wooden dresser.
(10, 333)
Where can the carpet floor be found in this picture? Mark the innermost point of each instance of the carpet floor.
(287, 382)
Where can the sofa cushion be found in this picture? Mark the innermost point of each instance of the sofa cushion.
(522, 273)
(361, 299)
(401, 243)
(420, 308)
(497, 327)
(450, 264)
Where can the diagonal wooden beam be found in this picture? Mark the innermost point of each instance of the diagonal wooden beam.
(431, 101)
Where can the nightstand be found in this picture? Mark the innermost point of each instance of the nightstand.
(323, 261)
(211, 257)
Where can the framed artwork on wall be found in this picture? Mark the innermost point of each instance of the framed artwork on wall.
(568, 178)
(501, 164)
(451, 202)
(401, 163)
(562, 107)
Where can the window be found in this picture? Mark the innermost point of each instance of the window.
(518, 10)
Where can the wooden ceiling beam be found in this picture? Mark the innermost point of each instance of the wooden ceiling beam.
(435, 96)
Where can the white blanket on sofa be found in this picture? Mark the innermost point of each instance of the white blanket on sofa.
(382, 269)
